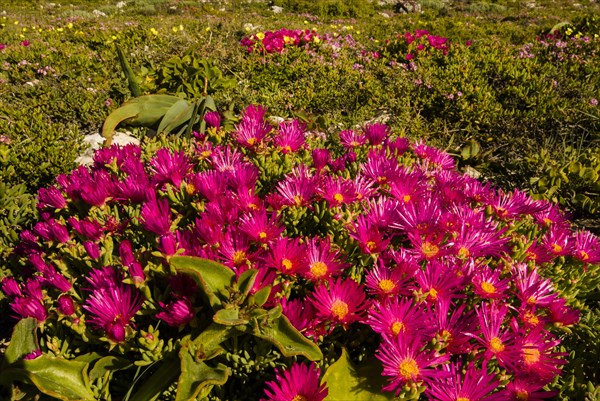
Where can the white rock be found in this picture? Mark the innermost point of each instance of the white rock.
(98, 13)
(277, 9)
(94, 142)
(384, 15)
(120, 4)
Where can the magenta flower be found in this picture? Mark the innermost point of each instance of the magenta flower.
(298, 383)
(286, 255)
(352, 139)
(322, 261)
(169, 167)
(473, 385)
(176, 313)
(587, 247)
(376, 134)
(112, 304)
(260, 227)
(213, 119)
(66, 306)
(399, 317)
(290, 136)
(341, 302)
(404, 362)
(51, 197)
(337, 191)
(156, 215)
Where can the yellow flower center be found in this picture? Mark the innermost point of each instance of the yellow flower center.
(429, 250)
(530, 354)
(547, 221)
(398, 327)
(251, 141)
(254, 206)
(190, 189)
(501, 212)
(406, 198)
(433, 294)
(299, 398)
(318, 269)
(408, 369)
(206, 153)
(381, 180)
(463, 399)
(262, 235)
(488, 287)
(339, 309)
(338, 197)
(286, 263)
(371, 245)
(532, 300)
(557, 248)
(584, 255)
(287, 148)
(522, 395)
(496, 345)
(463, 252)
(387, 285)
(531, 318)
(239, 257)
(298, 200)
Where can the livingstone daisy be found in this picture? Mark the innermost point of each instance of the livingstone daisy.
(298, 383)
(340, 302)
(405, 362)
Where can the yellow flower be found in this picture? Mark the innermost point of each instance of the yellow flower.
(174, 29)
(316, 39)
(153, 31)
(207, 29)
(260, 36)
(16, 22)
(180, 27)
(306, 22)
(70, 25)
(114, 37)
(59, 30)
(24, 29)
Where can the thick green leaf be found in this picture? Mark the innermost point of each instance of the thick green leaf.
(160, 380)
(345, 382)
(211, 337)
(261, 296)
(108, 364)
(213, 277)
(229, 317)
(177, 115)
(286, 338)
(22, 342)
(144, 111)
(246, 281)
(131, 80)
(56, 377)
(197, 376)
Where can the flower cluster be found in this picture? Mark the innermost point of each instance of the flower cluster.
(361, 231)
(278, 41)
(410, 45)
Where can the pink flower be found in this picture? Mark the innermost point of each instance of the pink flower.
(213, 119)
(25, 43)
(341, 302)
(156, 215)
(404, 362)
(176, 313)
(473, 385)
(112, 305)
(299, 382)
(290, 136)
(169, 167)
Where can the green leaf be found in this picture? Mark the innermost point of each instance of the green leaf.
(56, 377)
(22, 342)
(213, 277)
(107, 364)
(197, 376)
(160, 380)
(286, 338)
(229, 317)
(261, 296)
(177, 115)
(346, 382)
(131, 80)
(211, 337)
(246, 281)
(144, 111)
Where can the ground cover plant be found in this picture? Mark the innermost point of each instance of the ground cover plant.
(512, 99)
